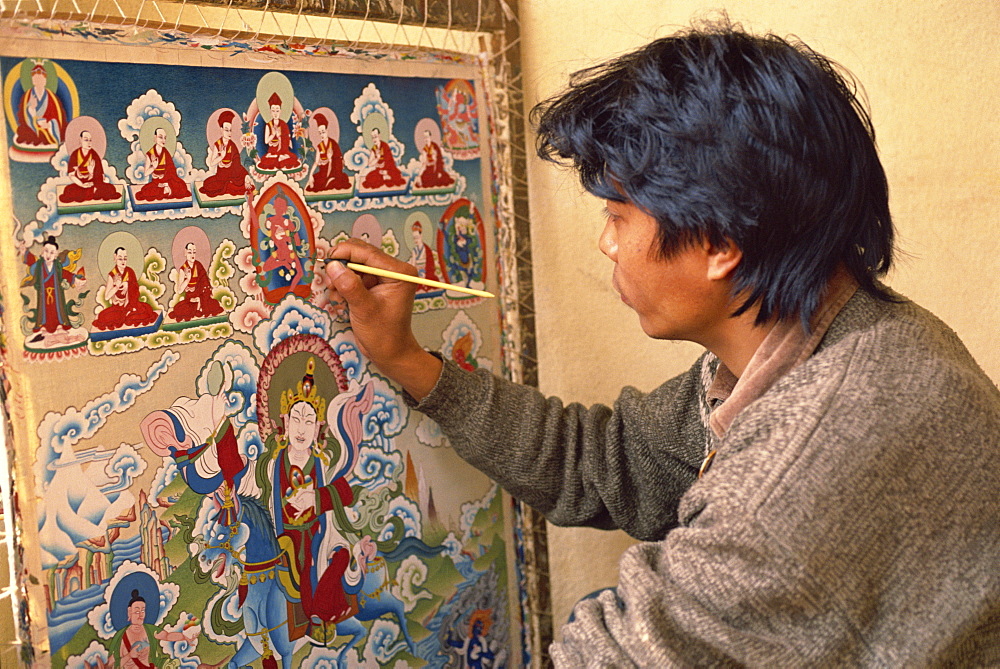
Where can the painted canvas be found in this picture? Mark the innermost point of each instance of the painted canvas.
(207, 471)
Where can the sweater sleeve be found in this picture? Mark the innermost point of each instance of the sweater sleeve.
(620, 467)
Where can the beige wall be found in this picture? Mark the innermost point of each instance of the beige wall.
(930, 71)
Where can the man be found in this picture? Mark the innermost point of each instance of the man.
(47, 274)
(40, 115)
(164, 183)
(230, 177)
(137, 644)
(432, 171)
(278, 140)
(819, 489)
(195, 289)
(85, 169)
(421, 254)
(381, 171)
(328, 170)
(125, 308)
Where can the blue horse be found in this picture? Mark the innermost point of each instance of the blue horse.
(263, 598)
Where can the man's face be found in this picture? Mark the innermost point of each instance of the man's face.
(227, 131)
(161, 137)
(673, 297)
(190, 253)
(38, 79)
(49, 252)
(137, 613)
(86, 141)
(121, 259)
(302, 427)
(275, 112)
(418, 238)
(322, 133)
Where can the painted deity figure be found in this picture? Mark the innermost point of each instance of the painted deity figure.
(421, 255)
(164, 183)
(475, 649)
(467, 251)
(136, 643)
(195, 288)
(278, 140)
(86, 170)
(328, 170)
(47, 274)
(122, 290)
(382, 171)
(432, 171)
(40, 115)
(296, 473)
(230, 177)
(285, 244)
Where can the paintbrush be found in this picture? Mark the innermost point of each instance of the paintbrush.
(365, 269)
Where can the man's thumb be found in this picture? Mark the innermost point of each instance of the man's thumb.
(345, 282)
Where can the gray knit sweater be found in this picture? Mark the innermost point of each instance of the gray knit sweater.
(850, 518)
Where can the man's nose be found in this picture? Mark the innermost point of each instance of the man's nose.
(607, 242)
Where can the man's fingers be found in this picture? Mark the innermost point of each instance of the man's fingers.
(355, 250)
(347, 283)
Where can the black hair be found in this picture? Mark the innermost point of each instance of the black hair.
(136, 597)
(50, 240)
(725, 136)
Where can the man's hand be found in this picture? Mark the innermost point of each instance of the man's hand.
(381, 311)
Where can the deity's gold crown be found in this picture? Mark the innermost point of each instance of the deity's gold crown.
(305, 391)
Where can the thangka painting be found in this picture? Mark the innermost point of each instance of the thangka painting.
(208, 470)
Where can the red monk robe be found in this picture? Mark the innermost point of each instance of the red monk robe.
(197, 301)
(126, 309)
(165, 184)
(86, 169)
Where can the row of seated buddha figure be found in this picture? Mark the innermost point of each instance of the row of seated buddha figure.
(89, 184)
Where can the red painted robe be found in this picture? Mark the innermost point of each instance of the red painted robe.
(126, 309)
(164, 172)
(423, 260)
(88, 168)
(329, 174)
(325, 599)
(197, 301)
(33, 108)
(230, 176)
(279, 154)
(434, 174)
(384, 174)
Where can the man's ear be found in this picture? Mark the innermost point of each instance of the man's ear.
(722, 260)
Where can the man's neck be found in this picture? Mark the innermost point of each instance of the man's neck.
(737, 340)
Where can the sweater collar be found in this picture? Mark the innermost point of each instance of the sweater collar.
(786, 346)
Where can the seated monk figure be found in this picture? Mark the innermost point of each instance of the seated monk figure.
(328, 171)
(278, 140)
(230, 177)
(196, 290)
(122, 290)
(86, 169)
(382, 171)
(164, 184)
(41, 118)
(432, 172)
